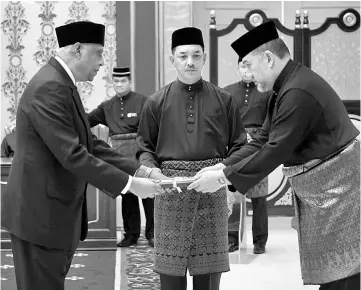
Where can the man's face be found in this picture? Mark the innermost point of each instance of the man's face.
(121, 85)
(91, 59)
(259, 66)
(188, 61)
(245, 74)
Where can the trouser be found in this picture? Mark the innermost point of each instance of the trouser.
(39, 267)
(259, 222)
(131, 216)
(349, 283)
(200, 282)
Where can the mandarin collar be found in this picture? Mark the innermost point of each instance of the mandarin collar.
(125, 96)
(249, 85)
(283, 75)
(190, 87)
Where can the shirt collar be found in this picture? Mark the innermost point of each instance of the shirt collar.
(190, 87)
(65, 66)
(248, 85)
(283, 75)
(125, 96)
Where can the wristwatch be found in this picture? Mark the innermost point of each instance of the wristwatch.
(221, 180)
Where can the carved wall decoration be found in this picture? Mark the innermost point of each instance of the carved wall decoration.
(47, 43)
(110, 45)
(15, 27)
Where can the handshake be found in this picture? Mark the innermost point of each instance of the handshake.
(209, 179)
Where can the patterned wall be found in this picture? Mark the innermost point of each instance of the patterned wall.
(174, 15)
(28, 41)
(336, 57)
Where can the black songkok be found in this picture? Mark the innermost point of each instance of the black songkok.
(187, 35)
(82, 32)
(121, 72)
(255, 38)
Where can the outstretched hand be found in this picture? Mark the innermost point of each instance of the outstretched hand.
(208, 181)
(218, 166)
(158, 175)
(144, 187)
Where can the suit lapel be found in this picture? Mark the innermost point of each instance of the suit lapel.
(77, 100)
(83, 116)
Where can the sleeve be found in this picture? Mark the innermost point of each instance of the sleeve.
(97, 116)
(103, 151)
(297, 114)
(5, 148)
(237, 133)
(147, 135)
(251, 147)
(52, 116)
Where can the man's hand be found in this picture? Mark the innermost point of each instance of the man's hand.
(209, 181)
(158, 175)
(144, 187)
(217, 166)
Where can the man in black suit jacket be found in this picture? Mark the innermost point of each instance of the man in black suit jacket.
(44, 206)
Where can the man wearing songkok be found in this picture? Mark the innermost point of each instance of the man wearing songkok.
(253, 109)
(121, 115)
(187, 125)
(308, 130)
(44, 205)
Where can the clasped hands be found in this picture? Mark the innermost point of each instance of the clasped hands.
(206, 180)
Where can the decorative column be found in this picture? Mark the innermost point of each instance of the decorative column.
(47, 43)
(15, 27)
(110, 45)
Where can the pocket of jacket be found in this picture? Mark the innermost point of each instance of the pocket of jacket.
(60, 193)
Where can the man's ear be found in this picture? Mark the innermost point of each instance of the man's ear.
(270, 58)
(171, 59)
(78, 49)
(204, 57)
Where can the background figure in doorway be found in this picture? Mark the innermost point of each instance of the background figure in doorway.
(121, 115)
(252, 106)
(9, 142)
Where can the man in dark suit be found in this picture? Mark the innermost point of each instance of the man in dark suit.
(44, 206)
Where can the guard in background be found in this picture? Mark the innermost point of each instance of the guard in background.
(253, 109)
(9, 141)
(121, 115)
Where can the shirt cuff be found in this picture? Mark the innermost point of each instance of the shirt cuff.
(126, 188)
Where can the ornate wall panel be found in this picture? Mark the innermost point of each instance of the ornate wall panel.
(14, 27)
(335, 55)
(173, 15)
(28, 41)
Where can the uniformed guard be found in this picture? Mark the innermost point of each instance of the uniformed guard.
(121, 115)
(253, 109)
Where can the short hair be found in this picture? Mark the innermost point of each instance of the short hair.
(276, 46)
(65, 49)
